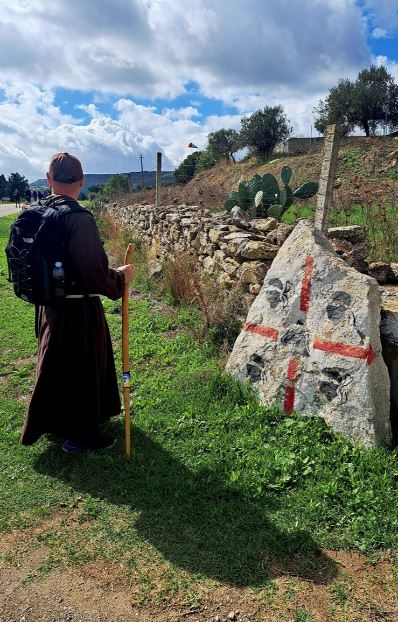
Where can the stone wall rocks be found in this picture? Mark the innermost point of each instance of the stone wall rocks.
(230, 246)
(235, 249)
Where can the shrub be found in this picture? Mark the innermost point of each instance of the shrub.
(219, 307)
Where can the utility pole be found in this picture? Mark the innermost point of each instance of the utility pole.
(142, 172)
(158, 177)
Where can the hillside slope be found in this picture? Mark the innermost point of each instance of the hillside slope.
(365, 174)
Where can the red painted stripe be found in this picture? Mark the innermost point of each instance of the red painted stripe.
(292, 370)
(306, 285)
(290, 391)
(264, 331)
(308, 267)
(288, 404)
(347, 350)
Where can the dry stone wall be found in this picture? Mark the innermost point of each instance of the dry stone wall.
(235, 250)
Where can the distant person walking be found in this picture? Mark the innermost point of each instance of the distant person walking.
(34, 195)
(28, 194)
(17, 198)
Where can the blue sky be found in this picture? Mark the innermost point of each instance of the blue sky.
(69, 99)
(115, 78)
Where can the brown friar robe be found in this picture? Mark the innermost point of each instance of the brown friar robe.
(76, 387)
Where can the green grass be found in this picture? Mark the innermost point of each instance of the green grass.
(302, 615)
(219, 488)
(381, 223)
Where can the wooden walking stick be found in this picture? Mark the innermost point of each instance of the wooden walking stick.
(125, 356)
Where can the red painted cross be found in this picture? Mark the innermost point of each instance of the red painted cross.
(341, 349)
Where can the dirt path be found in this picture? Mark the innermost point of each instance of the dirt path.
(101, 592)
(8, 208)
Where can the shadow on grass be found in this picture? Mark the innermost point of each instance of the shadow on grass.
(198, 522)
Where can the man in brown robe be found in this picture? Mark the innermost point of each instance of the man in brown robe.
(76, 388)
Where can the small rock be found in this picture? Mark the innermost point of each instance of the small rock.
(353, 233)
(230, 266)
(258, 250)
(232, 615)
(255, 289)
(282, 233)
(394, 272)
(240, 218)
(226, 280)
(238, 235)
(208, 264)
(215, 235)
(154, 267)
(218, 257)
(265, 224)
(379, 271)
(252, 272)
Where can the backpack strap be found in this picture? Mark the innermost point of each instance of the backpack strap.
(58, 206)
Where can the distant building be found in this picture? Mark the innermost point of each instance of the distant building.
(298, 146)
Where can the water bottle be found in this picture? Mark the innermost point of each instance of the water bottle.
(59, 280)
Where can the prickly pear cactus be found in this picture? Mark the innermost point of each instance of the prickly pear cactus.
(264, 196)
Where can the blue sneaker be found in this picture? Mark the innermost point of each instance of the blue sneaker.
(103, 441)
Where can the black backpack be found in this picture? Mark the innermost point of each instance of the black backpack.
(35, 245)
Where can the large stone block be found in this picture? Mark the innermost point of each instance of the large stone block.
(389, 341)
(312, 340)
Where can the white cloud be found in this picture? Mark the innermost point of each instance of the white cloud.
(32, 128)
(379, 33)
(152, 48)
(90, 109)
(247, 53)
(383, 14)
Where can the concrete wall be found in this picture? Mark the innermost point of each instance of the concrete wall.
(296, 146)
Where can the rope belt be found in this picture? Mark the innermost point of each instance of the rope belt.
(82, 295)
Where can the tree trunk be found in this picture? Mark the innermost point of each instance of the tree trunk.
(365, 125)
